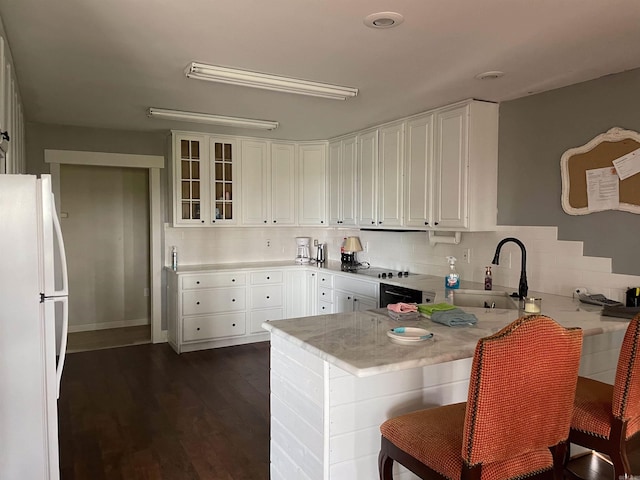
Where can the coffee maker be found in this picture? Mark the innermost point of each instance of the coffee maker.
(303, 254)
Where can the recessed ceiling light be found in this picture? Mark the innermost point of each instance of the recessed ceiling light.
(492, 75)
(383, 20)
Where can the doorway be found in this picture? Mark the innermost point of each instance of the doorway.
(105, 223)
(152, 164)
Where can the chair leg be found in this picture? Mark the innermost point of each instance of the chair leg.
(560, 453)
(618, 453)
(385, 466)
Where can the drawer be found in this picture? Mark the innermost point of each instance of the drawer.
(258, 317)
(208, 327)
(325, 308)
(198, 302)
(359, 287)
(210, 280)
(266, 277)
(266, 296)
(325, 280)
(325, 295)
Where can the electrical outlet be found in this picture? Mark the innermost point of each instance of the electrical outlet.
(579, 290)
(146, 292)
(315, 242)
(268, 243)
(466, 255)
(365, 247)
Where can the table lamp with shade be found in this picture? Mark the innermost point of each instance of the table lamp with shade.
(348, 258)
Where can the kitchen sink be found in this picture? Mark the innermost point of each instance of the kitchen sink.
(483, 298)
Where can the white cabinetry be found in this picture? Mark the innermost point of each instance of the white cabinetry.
(204, 175)
(266, 298)
(325, 293)
(206, 310)
(301, 286)
(342, 181)
(352, 294)
(268, 188)
(367, 179)
(312, 184)
(465, 167)
(390, 168)
(418, 172)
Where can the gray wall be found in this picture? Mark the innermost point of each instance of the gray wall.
(534, 133)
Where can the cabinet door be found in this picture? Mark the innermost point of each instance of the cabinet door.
(418, 164)
(313, 184)
(348, 177)
(297, 293)
(223, 177)
(342, 302)
(254, 183)
(390, 165)
(450, 175)
(191, 176)
(367, 174)
(334, 183)
(283, 157)
(361, 304)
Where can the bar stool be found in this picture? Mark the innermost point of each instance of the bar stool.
(516, 420)
(605, 417)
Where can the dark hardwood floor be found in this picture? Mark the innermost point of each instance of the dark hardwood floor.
(144, 412)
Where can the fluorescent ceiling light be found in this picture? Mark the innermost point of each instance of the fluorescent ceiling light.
(245, 78)
(212, 119)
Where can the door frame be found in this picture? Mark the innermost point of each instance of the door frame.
(152, 162)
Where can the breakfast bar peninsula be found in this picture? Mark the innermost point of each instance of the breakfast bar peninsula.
(336, 378)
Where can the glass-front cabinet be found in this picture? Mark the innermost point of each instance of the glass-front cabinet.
(223, 175)
(192, 181)
(204, 175)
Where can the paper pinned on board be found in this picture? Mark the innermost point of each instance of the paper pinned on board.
(603, 189)
(628, 165)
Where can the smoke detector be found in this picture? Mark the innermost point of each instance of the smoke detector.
(383, 20)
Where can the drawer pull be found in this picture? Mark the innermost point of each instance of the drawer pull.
(267, 296)
(198, 329)
(268, 278)
(198, 282)
(233, 279)
(197, 303)
(233, 324)
(323, 294)
(233, 299)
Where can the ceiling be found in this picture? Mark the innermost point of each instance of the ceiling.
(102, 64)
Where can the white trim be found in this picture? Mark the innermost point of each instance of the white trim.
(153, 163)
(72, 157)
(88, 327)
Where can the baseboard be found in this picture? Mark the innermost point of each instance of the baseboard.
(88, 327)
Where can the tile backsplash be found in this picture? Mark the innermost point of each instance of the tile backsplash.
(553, 266)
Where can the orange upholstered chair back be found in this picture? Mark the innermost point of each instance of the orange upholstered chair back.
(626, 389)
(521, 391)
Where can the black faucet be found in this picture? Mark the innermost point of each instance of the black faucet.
(523, 288)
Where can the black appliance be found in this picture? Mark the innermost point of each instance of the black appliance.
(348, 261)
(395, 294)
(633, 297)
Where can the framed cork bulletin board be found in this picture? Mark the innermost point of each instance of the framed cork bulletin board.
(603, 174)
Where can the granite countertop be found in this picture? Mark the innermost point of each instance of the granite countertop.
(358, 343)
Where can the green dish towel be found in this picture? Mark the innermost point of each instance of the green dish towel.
(438, 307)
(454, 317)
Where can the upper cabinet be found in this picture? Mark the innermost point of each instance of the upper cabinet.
(465, 167)
(312, 184)
(433, 171)
(342, 182)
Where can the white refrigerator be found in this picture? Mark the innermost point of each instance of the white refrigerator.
(33, 327)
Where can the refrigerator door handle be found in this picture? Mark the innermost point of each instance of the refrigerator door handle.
(61, 251)
(63, 340)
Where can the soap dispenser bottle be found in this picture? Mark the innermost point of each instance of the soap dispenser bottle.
(488, 281)
(452, 280)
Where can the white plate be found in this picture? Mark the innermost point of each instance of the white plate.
(408, 335)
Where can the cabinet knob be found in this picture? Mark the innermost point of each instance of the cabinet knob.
(348, 298)
(435, 223)
(268, 296)
(265, 221)
(201, 221)
(198, 329)
(274, 221)
(197, 303)
(323, 294)
(321, 221)
(426, 223)
(373, 223)
(233, 324)
(355, 299)
(233, 299)
(233, 279)
(198, 282)
(268, 278)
